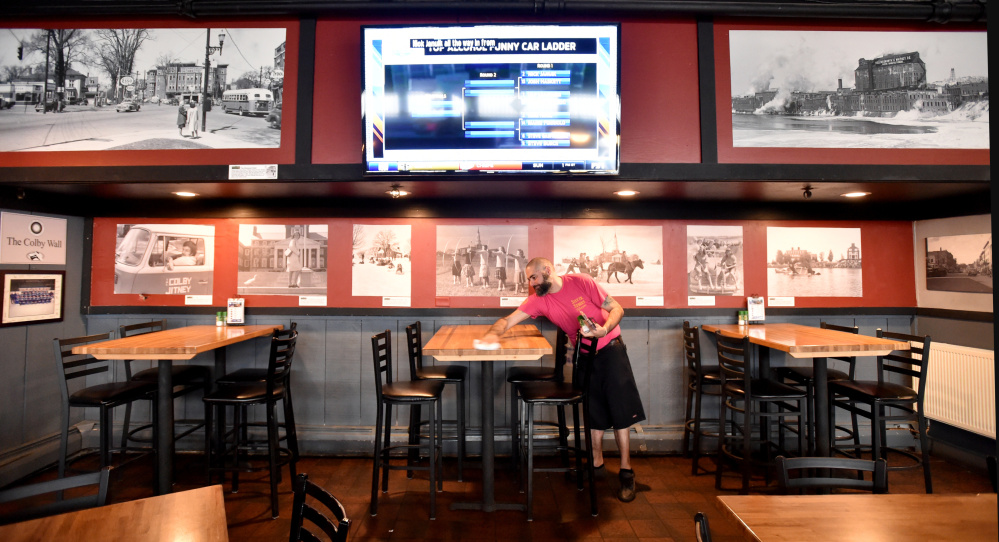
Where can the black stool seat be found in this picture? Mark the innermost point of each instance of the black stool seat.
(548, 392)
(765, 389)
(112, 394)
(873, 389)
(245, 392)
(415, 391)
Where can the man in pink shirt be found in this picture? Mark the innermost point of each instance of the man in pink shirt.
(614, 399)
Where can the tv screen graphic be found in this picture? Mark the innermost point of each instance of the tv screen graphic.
(491, 98)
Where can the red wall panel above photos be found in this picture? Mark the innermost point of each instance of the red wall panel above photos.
(146, 133)
(888, 274)
(659, 91)
(851, 94)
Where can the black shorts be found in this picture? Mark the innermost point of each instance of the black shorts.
(614, 399)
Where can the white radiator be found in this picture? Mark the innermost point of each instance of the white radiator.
(961, 388)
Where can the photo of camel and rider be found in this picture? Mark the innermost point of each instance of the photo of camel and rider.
(714, 261)
(624, 260)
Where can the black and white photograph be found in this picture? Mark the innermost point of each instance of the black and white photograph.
(959, 263)
(714, 260)
(31, 297)
(624, 260)
(856, 89)
(483, 261)
(380, 260)
(814, 262)
(282, 259)
(96, 89)
(176, 259)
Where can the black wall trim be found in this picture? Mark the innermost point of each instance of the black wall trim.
(706, 90)
(306, 88)
(957, 315)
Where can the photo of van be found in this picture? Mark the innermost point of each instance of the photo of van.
(164, 259)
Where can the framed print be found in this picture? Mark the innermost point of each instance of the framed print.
(959, 263)
(859, 94)
(31, 297)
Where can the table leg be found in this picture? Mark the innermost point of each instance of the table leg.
(488, 503)
(164, 427)
(822, 420)
(220, 361)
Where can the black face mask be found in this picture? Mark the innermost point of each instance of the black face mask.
(542, 289)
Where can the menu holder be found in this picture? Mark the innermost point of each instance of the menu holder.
(235, 316)
(754, 304)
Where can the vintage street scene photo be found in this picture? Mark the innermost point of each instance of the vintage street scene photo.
(885, 90)
(814, 262)
(380, 260)
(714, 260)
(624, 260)
(959, 263)
(478, 260)
(164, 259)
(282, 259)
(93, 89)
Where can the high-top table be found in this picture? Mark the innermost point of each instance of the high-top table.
(455, 343)
(809, 342)
(165, 347)
(864, 517)
(197, 515)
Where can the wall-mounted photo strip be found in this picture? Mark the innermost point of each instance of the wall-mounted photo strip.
(714, 261)
(31, 297)
(380, 260)
(98, 89)
(624, 260)
(282, 259)
(959, 263)
(478, 260)
(164, 259)
(859, 89)
(814, 262)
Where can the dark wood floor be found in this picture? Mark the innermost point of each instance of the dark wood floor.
(669, 497)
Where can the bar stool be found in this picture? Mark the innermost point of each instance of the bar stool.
(104, 396)
(701, 380)
(561, 395)
(448, 374)
(241, 395)
(186, 379)
(872, 399)
(259, 374)
(804, 376)
(522, 374)
(403, 393)
(752, 399)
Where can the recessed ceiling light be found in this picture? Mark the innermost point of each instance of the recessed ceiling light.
(185, 194)
(397, 191)
(855, 194)
(627, 192)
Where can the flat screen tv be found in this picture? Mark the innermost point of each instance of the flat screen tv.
(495, 98)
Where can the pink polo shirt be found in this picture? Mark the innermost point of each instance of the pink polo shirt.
(579, 292)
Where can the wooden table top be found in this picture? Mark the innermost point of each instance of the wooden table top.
(863, 517)
(455, 343)
(176, 344)
(809, 342)
(197, 515)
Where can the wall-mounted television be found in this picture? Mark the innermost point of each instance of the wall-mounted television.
(493, 98)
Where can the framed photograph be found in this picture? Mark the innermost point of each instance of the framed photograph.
(959, 263)
(31, 297)
(844, 94)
